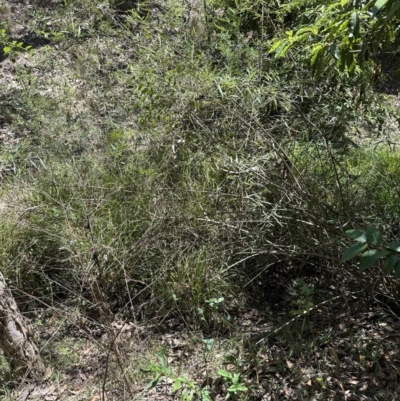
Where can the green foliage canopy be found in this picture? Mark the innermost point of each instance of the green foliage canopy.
(345, 32)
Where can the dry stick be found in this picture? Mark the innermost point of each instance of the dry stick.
(284, 156)
(261, 59)
(288, 165)
(113, 347)
(60, 313)
(305, 313)
(99, 298)
(387, 307)
(334, 161)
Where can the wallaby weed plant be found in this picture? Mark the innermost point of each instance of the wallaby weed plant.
(190, 188)
(166, 179)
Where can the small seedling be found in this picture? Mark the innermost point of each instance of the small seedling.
(214, 302)
(233, 380)
(189, 389)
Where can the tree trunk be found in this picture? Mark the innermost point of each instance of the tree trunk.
(196, 18)
(16, 339)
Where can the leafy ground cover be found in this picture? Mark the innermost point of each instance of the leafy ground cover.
(174, 208)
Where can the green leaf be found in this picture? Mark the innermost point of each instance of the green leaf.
(187, 395)
(357, 235)
(281, 49)
(334, 51)
(378, 6)
(350, 62)
(225, 374)
(390, 263)
(209, 342)
(237, 388)
(177, 385)
(306, 31)
(355, 25)
(276, 45)
(374, 236)
(154, 382)
(317, 59)
(394, 246)
(369, 258)
(397, 269)
(162, 361)
(352, 252)
(394, 9)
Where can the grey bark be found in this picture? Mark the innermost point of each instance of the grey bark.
(196, 18)
(16, 339)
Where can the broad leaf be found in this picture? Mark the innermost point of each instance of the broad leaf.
(369, 258)
(357, 235)
(374, 236)
(394, 246)
(390, 263)
(378, 6)
(224, 373)
(394, 9)
(397, 269)
(307, 30)
(353, 251)
(280, 51)
(177, 385)
(355, 25)
(334, 51)
(276, 45)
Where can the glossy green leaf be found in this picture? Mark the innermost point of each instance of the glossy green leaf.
(379, 4)
(342, 61)
(355, 25)
(394, 246)
(334, 51)
(390, 263)
(397, 269)
(369, 258)
(350, 61)
(357, 235)
(374, 236)
(352, 252)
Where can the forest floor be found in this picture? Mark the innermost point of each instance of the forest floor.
(345, 348)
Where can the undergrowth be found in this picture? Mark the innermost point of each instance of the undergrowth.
(162, 177)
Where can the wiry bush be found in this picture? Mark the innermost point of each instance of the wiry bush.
(184, 171)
